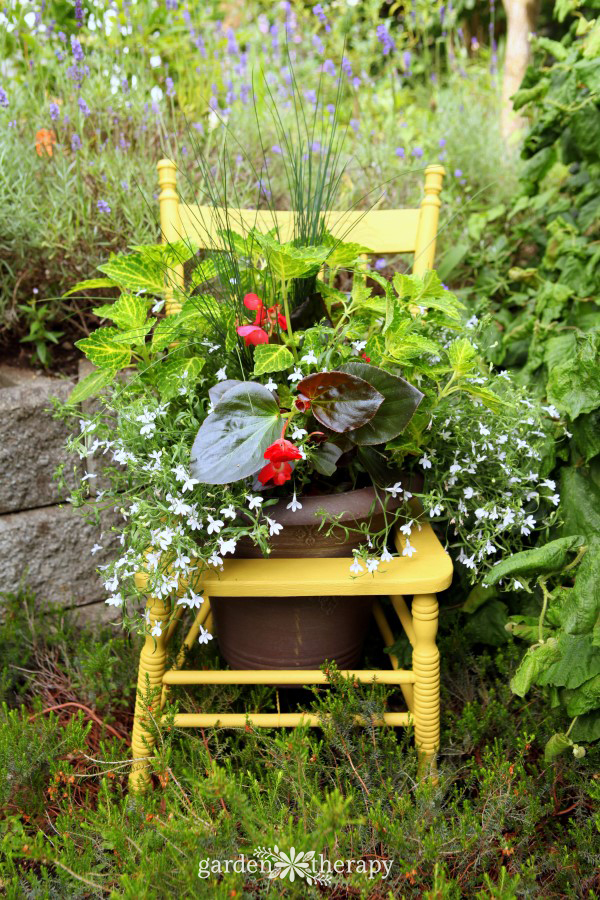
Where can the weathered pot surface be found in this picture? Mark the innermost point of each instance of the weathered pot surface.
(303, 632)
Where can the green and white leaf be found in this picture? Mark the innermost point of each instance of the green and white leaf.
(271, 358)
(103, 349)
(127, 312)
(91, 284)
(287, 261)
(134, 272)
(89, 386)
(172, 374)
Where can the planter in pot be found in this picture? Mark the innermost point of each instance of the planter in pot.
(303, 632)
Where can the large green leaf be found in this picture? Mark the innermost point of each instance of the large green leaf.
(427, 292)
(533, 664)
(181, 328)
(574, 385)
(579, 661)
(539, 561)
(169, 254)
(400, 400)
(487, 625)
(325, 458)
(342, 254)
(134, 272)
(89, 386)
(127, 312)
(585, 698)
(287, 261)
(580, 503)
(272, 358)
(103, 349)
(340, 401)
(580, 612)
(231, 442)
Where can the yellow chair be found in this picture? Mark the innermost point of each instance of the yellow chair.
(422, 576)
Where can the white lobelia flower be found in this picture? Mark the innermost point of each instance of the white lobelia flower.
(517, 585)
(407, 528)
(386, 556)
(188, 484)
(153, 559)
(425, 461)
(372, 565)
(148, 429)
(310, 358)
(395, 489)
(165, 538)
(191, 600)
(182, 562)
(469, 562)
(549, 484)
(274, 527)
(204, 637)
(468, 493)
(436, 510)
(114, 600)
(180, 473)
(298, 433)
(228, 511)
(297, 375)
(555, 499)
(270, 385)
(214, 525)
(157, 630)
(294, 504)
(527, 525)
(254, 502)
(356, 567)
(221, 375)
(96, 549)
(215, 560)
(194, 522)
(358, 347)
(227, 546)
(112, 584)
(408, 550)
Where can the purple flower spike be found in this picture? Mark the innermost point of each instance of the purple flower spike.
(76, 49)
(75, 143)
(170, 87)
(329, 68)
(400, 151)
(83, 106)
(3, 98)
(320, 14)
(385, 39)
(54, 111)
(103, 206)
(418, 152)
(380, 264)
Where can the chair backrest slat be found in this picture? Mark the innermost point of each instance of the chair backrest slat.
(382, 231)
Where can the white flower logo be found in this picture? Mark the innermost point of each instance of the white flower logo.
(292, 864)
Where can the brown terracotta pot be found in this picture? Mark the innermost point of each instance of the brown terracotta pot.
(303, 632)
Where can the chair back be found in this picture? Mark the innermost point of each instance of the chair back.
(381, 230)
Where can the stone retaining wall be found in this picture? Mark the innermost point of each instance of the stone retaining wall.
(43, 542)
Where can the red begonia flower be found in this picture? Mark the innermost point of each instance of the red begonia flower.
(302, 403)
(282, 450)
(252, 301)
(282, 321)
(278, 472)
(252, 335)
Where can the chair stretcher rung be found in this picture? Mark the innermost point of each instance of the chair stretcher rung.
(272, 720)
(282, 676)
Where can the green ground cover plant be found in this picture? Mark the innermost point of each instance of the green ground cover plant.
(501, 823)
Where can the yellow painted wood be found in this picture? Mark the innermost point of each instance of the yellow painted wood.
(381, 230)
(153, 659)
(426, 573)
(279, 676)
(428, 220)
(275, 720)
(426, 666)
(170, 226)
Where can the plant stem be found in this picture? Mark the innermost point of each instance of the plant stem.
(568, 731)
(546, 594)
(288, 318)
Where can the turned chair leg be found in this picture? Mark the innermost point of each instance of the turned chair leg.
(153, 659)
(426, 666)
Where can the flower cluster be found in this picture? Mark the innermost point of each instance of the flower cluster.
(270, 317)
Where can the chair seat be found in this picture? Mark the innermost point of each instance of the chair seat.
(429, 570)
